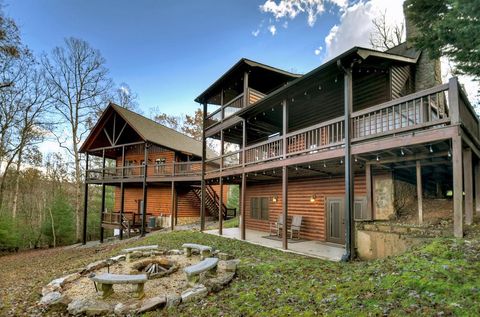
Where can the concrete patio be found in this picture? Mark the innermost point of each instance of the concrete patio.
(317, 249)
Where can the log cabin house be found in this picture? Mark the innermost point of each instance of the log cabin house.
(333, 145)
(155, 172)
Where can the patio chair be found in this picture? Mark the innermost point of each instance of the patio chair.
(295, 226)
(277, 226)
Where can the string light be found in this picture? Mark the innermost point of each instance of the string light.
(402, 152)
(431, 149)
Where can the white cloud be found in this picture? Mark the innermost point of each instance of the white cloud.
(256, 32)
(272, 29)
(291, 8)
(318, 50)
(356, 24)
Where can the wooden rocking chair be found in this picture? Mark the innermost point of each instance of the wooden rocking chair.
(276, 227)
(295, 226)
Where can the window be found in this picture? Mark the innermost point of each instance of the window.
(259, 208)
(360, 209)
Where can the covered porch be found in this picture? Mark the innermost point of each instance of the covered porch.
(311, 248)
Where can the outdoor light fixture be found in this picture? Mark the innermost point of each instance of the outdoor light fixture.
(356, 160)
(305, 93)
(341, 162)
(293, 99)
(309, 167)
(431, 149)
(402, 152)
(449, 154)
(274, 198)
(312, 198)
(324, 165)
(319, 87)
(378, 158)
(296, 168)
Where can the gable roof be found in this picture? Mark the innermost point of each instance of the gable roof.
(243, 64)
(155, 132)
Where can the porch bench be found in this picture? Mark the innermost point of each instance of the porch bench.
(106, 280)
(204, 250)
(193, 271)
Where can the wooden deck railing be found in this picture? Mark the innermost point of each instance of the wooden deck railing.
(153, 170)
(431, 108)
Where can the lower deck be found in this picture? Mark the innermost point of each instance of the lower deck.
(312, 248)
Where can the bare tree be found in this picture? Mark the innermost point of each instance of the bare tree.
(384, 36)
(124, 96)
(78, 84)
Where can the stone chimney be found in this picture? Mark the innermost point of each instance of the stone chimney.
(427, 71)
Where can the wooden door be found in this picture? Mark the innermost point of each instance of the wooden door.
(335, 220)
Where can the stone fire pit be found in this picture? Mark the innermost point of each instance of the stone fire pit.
(167, 284)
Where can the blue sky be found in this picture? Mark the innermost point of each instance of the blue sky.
(169, 51)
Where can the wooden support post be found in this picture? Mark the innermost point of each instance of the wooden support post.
(457, 186)
(172, 208)
(144, 187)
(453, 101)
(102, 212)
(419, 192)
(85, 203)
(468, 184)
(477, 188)
(285, 206)
(220, 205)
(202, 182)
(245, 89)
(242, 206)
(122, 208)
(368, 176)
(349, 192)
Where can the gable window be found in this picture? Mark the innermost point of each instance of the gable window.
(360, 209)
(259, 208)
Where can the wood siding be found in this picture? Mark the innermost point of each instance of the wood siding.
(159, 200)
(370, 89)
(299, 193)
(400, 81)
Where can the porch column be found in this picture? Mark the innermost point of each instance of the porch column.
(349, 188)
(122, 208)
(220, 209)
(202, 182)
(144, 187)
(457, 186)
(368, 176)
(285, 206)
(172, 207)
(477, 187)
(85, 203)
(242, 206)
(103, 196)
(419, 192)
(468, 184)
(101, 213)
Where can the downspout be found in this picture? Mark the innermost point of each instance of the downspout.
(348, 102)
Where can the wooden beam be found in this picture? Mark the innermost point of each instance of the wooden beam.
(101, 213)
(85, 203)
(243, 219)
(144, 188)
(407, 158)
(220, 209)
(419, 192)
(120, 133)
(172, 208)
(468, 184)
(477, 188)
(457, 186)
(368, 176)
(122, 208)
(285, 207)
(108, 137)
(202, 182)
(453, 100)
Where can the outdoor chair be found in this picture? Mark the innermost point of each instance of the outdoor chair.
(276, 227)
(295, 226)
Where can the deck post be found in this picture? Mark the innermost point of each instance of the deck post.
(453, 100)
(242, 207)
(477, 187)
(285, 206)
(245, 90)
(349, 192)
(144, 188)
(172, 208)
(220, 209)
(202, 182)
(368, 176)
(457, 186)
(468, 184)
(85, 202)
(103, 197)
(419, 191)
(122, 208)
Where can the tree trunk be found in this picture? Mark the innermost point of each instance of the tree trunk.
(53, 228)
(78, 191)
(17, 184)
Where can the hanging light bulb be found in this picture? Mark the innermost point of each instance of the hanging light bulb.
(324, 164)
(430, 149)
(402, 152)
(449, 154)
(378, 158)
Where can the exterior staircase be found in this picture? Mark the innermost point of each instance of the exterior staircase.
(211, 201)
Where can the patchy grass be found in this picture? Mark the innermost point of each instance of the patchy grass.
(441, 278)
